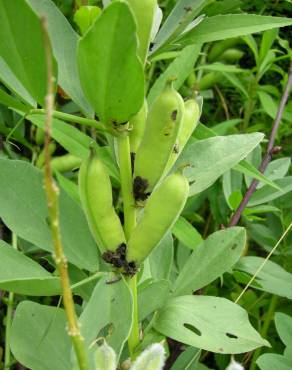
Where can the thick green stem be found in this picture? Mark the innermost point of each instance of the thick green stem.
(70, 118)
(134, 337)
(127, 184)
(9, 315)
(129, 224)
(264, 331)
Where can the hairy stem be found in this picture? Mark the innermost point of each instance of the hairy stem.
(9, 315)
(52, 193)
(129, 224)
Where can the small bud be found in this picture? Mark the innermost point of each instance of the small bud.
(150, 359)
(105, 358)
(234, 365)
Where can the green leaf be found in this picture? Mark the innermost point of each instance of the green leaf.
(249, 170)
(187, 359)
(11, 102)
(11, 81)
(216, 255)
(39, 339)
(20, 274)
(272, 278)
(75, 141)
(181, 15)
(108, 313)
(210, 323)
(22, 50)
(22, 190)
(161, 258)
(70, 187)
(222, 27)
(243, 166)
(85, 16)
(270, 106)
(267, 194)
(186, 233)
(64, 43)
(209, 159)
(111, 73)
(283, 324)
(152, 296)
(179, 70)
(278, 168)
(271, 361)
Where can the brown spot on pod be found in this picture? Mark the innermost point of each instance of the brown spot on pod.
(139, 188)
(174, 115)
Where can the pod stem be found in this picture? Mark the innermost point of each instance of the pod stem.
(129, 224)
(126, 184)
(52, 193)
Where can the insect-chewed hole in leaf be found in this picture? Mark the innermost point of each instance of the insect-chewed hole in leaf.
(233, 336)
(107, 330)
(233, 246)
(193, 329)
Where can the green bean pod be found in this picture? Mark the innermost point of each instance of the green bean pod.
(137, 126)
(66, 162)
(161, 212)
(162, 129)
(144, 12)
(189, 123)
(96, 198)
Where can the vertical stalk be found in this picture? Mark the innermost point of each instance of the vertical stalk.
(52, 193)
(129, 224)
(264, 331)
(126, 184)
(9, 315)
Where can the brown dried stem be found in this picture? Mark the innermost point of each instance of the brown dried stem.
(52, 193)
(271, 149)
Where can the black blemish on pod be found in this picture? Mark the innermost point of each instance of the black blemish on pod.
(174, 115)
(133, 156)
(139, 188)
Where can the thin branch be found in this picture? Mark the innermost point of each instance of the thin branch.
(270, 151)
(52, 193)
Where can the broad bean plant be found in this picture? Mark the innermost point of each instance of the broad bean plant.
(101, 268)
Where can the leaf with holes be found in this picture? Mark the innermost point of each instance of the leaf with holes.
(210, 323)
(108, 314)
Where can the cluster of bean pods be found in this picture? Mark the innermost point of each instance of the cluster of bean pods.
(156, 138)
